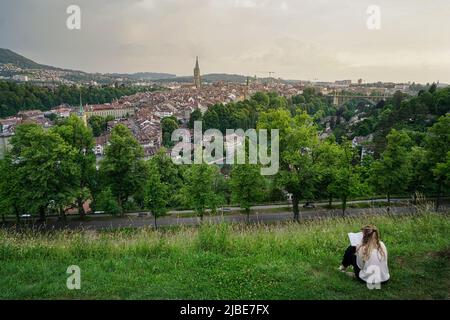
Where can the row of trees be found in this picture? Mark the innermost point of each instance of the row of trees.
(55, 170)
(244, 114)
(47, 170)
(310, 168)
(17, 97)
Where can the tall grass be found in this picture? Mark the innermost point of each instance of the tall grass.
(284, 260)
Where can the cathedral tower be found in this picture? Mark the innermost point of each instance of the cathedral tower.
(197, 77)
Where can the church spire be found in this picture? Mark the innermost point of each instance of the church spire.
(197, 76)
(81, 110)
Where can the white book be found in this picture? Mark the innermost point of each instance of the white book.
(355, 238)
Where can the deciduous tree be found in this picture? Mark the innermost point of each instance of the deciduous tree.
(80, 137)
(157, 194)
(123, 169)
(346, 179)
(298, 139)
(247, 186)
(199, 189)
(392, 172)
(45, 168)
(437, 144)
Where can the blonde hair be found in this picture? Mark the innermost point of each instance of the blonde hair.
(370, 241)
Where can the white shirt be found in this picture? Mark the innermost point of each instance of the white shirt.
(375, 270)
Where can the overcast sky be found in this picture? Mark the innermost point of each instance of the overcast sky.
(297, 39)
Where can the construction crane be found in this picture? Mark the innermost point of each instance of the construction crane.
(270, 73)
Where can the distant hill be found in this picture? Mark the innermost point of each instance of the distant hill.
(212, 77)
(10, 57)
(152, 76)
(215, 77)
(144, 76)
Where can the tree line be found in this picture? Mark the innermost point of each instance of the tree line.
(18, 97)
(53, 171)
(312, 169)
(244, 114)
(401, 112)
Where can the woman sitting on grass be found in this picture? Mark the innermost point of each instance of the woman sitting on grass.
(369, 259)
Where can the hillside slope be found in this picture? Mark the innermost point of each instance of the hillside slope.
(286, 261)
(10, 57)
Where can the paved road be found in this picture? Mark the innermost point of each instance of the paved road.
(134, 221)
(276, 206)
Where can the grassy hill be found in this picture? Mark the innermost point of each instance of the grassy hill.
(285, 261)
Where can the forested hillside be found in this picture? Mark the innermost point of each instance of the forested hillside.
(17, 97)
(401, 112)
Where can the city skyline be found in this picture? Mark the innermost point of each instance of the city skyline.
(301, 40)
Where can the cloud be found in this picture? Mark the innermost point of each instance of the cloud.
(296, 38)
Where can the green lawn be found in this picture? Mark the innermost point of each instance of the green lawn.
(282, 261)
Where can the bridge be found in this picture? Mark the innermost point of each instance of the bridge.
(340, 99)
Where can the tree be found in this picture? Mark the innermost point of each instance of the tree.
(123, 169)
(211, 120)
(162, 188)
(168, 125)
(437, 144)
(442, 174)
(262, 99)
(199, 190)
(9, 189)
(392, 172)
(44, 167)
(156, 194)
(346, 181)
(420, 172)
(433, 88)
(298, 140)
(327, 154)
(106, 202)
(397, 99)
(223, 188)
(440, 104)
(170, 174)
(80, 137)
(16, 97)
(247, 186)
(196, 115)
(99, 124)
